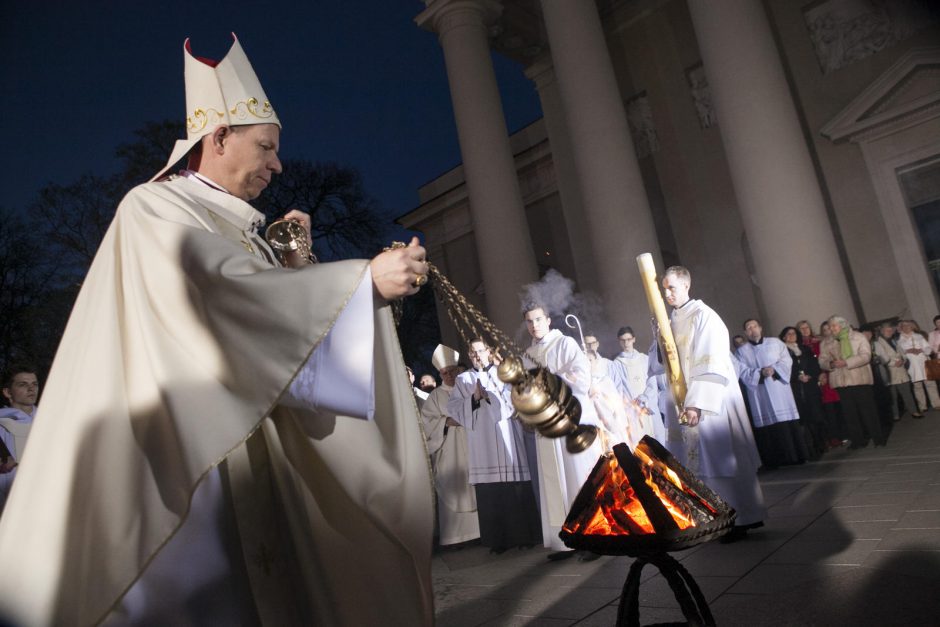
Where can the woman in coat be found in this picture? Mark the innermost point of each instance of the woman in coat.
(804, 381)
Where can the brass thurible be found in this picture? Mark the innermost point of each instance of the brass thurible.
(286, 236)
(545, 402)
(542, 400)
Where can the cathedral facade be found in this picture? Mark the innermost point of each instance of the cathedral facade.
(786, 152)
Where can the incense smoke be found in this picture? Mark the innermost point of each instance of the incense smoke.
(557, 293)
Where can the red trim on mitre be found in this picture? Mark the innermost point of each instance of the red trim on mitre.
(189, 49)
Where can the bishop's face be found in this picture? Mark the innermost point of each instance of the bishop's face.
(537, 323)
(449, 375)
(676, 290)
(251, 159)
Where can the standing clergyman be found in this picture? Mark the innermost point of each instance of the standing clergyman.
(631, 367)
(765, 373)
(723, 453)
(222, 440)
(561, 474)
(499, 470)
(447, 445)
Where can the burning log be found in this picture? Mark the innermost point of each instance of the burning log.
(643, 502)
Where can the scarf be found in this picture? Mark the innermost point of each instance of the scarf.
(794, 348)
(844, 343)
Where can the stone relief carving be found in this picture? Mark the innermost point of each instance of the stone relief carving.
(846, 31)
(701, 96)
(640, 119)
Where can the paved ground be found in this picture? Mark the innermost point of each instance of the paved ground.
(853, 539)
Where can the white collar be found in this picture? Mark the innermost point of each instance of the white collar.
(551, 335)
(233, 209)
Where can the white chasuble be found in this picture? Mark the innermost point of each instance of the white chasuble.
(180, 348)
(722, 445)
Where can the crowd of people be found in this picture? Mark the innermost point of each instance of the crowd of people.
(765, 403)
(227, 434)
(624, 398)
(809, 393)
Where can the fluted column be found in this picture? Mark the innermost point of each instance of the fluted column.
(615, 206)
(500, 229)
(795, 255)
(542, 73)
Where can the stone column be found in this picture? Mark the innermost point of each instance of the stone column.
(795, 255)
(500, 229)
(615, 207)
(542, 74)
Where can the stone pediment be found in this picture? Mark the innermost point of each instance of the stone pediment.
(907, 94)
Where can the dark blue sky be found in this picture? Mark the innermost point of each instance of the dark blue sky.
(352, 81)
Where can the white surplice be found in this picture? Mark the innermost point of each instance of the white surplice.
(771, 398)
(561, 474)
(631, 372)
(15, 425)
(494, 436)
(625, 419)
(915, 361)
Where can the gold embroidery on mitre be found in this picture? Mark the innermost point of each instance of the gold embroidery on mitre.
(202, 117)
(250, 107)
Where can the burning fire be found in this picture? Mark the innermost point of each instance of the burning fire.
(617, 507)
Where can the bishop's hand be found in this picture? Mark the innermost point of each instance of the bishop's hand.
(395, 271)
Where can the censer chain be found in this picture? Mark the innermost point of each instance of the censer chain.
(543, 401)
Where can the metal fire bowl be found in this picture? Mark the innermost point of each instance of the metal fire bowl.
(663, 541)
(649, 544)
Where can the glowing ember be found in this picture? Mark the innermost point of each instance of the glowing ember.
(615, 508)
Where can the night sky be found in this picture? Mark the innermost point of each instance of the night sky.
(355, 82)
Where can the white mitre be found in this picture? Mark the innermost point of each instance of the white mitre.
(444, 357)
(224, 92)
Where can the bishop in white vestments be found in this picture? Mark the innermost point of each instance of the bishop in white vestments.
(223, 440)
(447, 445)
